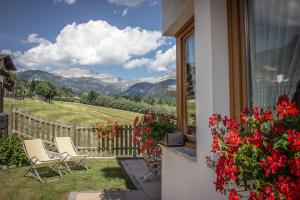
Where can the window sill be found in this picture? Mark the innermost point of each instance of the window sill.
(189, 153)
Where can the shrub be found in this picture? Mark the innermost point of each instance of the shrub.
(11, 151)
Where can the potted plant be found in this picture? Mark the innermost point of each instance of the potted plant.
(259, 159)
(154, 128)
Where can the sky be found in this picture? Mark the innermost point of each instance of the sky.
(84, 37)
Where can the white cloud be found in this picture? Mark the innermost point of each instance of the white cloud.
(129, 3)
(153, 3)
(163, 61)
(138, 62)
(124, 13)
(66, 1)
(35, 39)
(73, 72)
(10, 52)
(93, 43)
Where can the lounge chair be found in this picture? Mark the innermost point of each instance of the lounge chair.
(69, 153)
(39, 159)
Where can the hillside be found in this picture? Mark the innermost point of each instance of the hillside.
(164, 89)
(139, 89)
(71, 113)
(77, 84)
(144, 87)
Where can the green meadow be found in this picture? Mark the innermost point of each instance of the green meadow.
(70, 112)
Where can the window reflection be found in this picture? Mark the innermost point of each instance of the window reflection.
(274, 49)
(190, 84)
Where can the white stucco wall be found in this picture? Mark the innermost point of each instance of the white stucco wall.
(184, 179)
(175, 14)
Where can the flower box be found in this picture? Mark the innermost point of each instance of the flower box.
(172, 139)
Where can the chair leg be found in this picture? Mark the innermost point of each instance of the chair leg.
(82, 163)
(66, 166)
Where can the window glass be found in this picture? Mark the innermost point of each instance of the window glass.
(190, 84)
(274, 49)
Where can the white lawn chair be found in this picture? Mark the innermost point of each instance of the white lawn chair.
(39, 158)
(69, 153)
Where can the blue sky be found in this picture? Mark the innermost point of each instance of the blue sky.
(80, 37)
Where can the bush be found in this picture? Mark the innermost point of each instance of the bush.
(125, 104)
(11, 151)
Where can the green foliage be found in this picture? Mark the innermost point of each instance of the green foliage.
(91, 97)
(11, 151)
(247, 159)
(47, 90)
(127, 104)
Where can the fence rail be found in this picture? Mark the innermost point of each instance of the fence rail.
(84, 138)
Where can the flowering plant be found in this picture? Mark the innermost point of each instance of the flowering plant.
(108, 131)
(150, 128)
(262, 156)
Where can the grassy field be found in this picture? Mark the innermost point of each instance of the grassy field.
(102, 175)
(71, 113)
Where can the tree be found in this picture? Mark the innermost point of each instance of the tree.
(47, 90)
(91, 97)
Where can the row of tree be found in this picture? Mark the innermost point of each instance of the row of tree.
(30, 88)
(45, 90)
(124, 103)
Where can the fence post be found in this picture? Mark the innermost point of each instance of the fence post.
(74, 135)
(10, 121)
(134, 143)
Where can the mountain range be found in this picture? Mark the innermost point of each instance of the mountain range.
(107, 84)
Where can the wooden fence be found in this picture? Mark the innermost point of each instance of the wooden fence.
(84, 138)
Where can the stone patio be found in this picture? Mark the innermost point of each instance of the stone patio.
(135, 168)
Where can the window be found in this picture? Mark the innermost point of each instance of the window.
(190, 99)
(274, 49)
(186, 101)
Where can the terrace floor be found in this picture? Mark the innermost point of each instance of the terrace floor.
(135, 168)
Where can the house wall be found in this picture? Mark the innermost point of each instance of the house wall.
(175, 14)
(182, 178)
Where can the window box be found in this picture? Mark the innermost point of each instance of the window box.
(172, 139)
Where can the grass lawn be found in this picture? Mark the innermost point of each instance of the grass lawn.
(102, 175)
(71, 113)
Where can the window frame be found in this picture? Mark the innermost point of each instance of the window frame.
(181, 36)
(238, 44)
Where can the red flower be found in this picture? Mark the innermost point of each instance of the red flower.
(285, 187)
(233, 141)
(215, 146)
(256, 140)
(294, 139)
(231, 123)
(233, 195)
(214, 119)
(295, 166)
(272, 163)
(284, 107)
(226, 172)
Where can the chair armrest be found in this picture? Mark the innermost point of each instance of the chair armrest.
(53, 154)
(31, 159)
(64, 155)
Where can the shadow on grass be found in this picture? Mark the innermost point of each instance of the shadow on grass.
(46, 173)
(118, 173)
